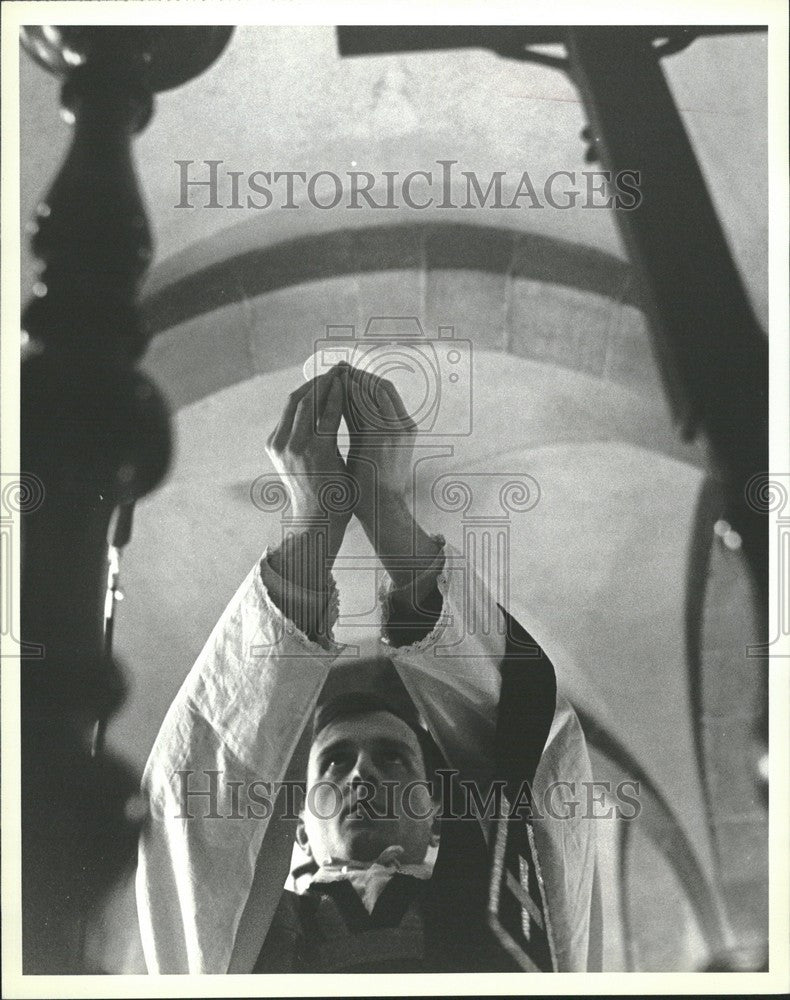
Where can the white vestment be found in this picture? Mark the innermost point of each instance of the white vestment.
(211, 869)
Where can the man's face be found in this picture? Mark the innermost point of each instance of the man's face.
(374, 758)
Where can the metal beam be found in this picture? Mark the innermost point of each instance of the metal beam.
(712, 351)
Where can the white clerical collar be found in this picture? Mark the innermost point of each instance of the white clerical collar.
(369, 878)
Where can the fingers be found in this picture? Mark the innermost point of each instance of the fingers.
(328, 423)
(393, 417)
(361, 395)
(400, 411)
(281, 433)
(299, 415)
(376, 404)
(310, 408)
(364, 390)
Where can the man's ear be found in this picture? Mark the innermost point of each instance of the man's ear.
(301, 836)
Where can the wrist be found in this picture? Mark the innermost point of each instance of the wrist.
(384, 512)
(323, 511)
(318, 527)
(306, 556)
(402, 545)
(302, 588)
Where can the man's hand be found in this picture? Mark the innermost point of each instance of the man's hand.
(381, 448)
(381, 459)
(303, 450)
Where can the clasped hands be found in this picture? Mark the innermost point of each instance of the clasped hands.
(377, 470)
(304, 449)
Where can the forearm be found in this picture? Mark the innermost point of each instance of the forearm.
(412, 559)
(304, 562)
(405, 549)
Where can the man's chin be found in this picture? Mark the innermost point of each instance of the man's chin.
(362, 841)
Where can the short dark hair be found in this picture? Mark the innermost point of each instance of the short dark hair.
(361, 704)
(374, 685)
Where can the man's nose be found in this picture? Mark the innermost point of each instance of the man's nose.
(364, 769)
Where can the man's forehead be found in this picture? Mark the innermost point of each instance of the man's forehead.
(363, 726)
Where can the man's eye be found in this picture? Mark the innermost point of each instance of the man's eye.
(336, 762)
(393, 756)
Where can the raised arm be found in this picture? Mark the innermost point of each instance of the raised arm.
(303, 449)
(233, 730)
(380, 458)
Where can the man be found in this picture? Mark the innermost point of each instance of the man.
(390, 870)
